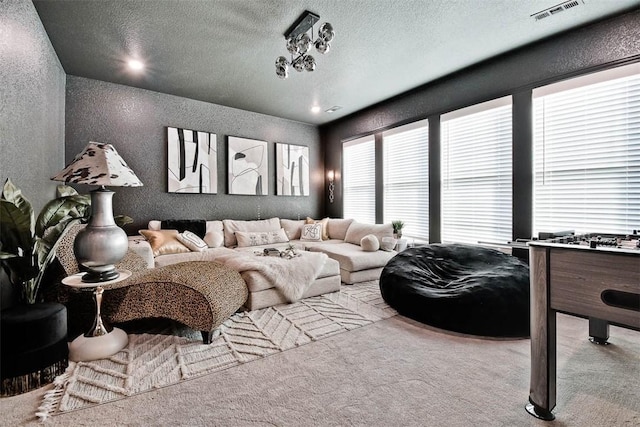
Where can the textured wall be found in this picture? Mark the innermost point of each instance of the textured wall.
(135, 121)
(589, 48)
(31, 103)
(31, 109)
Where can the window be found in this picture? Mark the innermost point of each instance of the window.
(406, 178)
(476, 173)
(359, 179)
(587, 153)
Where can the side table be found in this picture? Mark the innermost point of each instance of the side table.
(101, 340)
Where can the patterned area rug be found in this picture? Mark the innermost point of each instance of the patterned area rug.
(152, 361)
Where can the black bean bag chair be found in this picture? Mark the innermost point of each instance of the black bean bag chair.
(462, 288)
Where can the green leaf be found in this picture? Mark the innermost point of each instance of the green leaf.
(15, 228)
(122, 220)
(65, 190)
(60, 210)
(13, 195)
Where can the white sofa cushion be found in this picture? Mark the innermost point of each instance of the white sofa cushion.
(337, 228)
(357, 231)
(231, 226)
(292, 227)
(353, 258)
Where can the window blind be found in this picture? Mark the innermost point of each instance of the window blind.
(476, 173)
(359, 179)
(406, 178)
(587, 154)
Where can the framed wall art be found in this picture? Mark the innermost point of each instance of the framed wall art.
(292, 170)
(248, 166)
(192, 161)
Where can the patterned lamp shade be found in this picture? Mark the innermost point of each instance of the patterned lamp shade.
(99, 164)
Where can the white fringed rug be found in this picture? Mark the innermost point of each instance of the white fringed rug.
(152, 361)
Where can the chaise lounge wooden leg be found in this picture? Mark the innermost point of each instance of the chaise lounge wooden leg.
(206, 336)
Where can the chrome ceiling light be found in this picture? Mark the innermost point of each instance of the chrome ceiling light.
(299, 41)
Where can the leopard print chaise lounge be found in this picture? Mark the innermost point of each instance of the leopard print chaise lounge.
(199, 294)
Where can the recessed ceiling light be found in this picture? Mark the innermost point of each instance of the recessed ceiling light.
(136, 65)
(315, 109)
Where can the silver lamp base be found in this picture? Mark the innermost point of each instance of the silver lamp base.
(101, 244)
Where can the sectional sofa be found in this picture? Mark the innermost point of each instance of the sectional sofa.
(344, 251)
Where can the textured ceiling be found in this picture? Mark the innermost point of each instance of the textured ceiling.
(223, 51)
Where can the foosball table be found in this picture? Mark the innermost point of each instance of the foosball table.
(596, 276)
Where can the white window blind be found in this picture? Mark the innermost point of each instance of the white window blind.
(587, 153)
(359, 179)
(406, 178)
(476, 173)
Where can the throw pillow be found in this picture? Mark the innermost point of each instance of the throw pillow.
(370, 243)
(388, 243)
(312, 232)
(258, 238)
(164, 242)
(192, 241)
(325, 228)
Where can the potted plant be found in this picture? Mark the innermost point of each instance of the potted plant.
(27, 245)
(397, 228)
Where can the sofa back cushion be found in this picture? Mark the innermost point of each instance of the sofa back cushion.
(215, 234)
(231, 226)
(357, 231)
(337, 228)
(292, 227)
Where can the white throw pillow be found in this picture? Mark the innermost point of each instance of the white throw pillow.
(312, 232)
(369, 243)
(192, 241)
(259, 238)
(388, 243)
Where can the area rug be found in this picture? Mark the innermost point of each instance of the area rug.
(152, 361)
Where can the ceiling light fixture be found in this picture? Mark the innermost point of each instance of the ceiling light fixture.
(136, 65)
(298, 43)
(315, 109)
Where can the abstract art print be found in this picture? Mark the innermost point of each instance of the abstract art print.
(292, 170)
(248, 166)
(192, 161)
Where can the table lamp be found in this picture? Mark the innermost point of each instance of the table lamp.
(101, 244)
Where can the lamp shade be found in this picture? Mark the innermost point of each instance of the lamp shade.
(99, 164)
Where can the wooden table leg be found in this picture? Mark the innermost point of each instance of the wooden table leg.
(542, 391)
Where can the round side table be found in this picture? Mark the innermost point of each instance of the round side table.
(101, 340)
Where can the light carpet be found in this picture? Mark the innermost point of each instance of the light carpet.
(152, 361)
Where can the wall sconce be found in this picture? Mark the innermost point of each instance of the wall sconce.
(331, 176)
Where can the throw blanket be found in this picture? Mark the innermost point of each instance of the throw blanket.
(292, 277)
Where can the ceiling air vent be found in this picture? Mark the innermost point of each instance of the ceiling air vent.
(554, 10)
